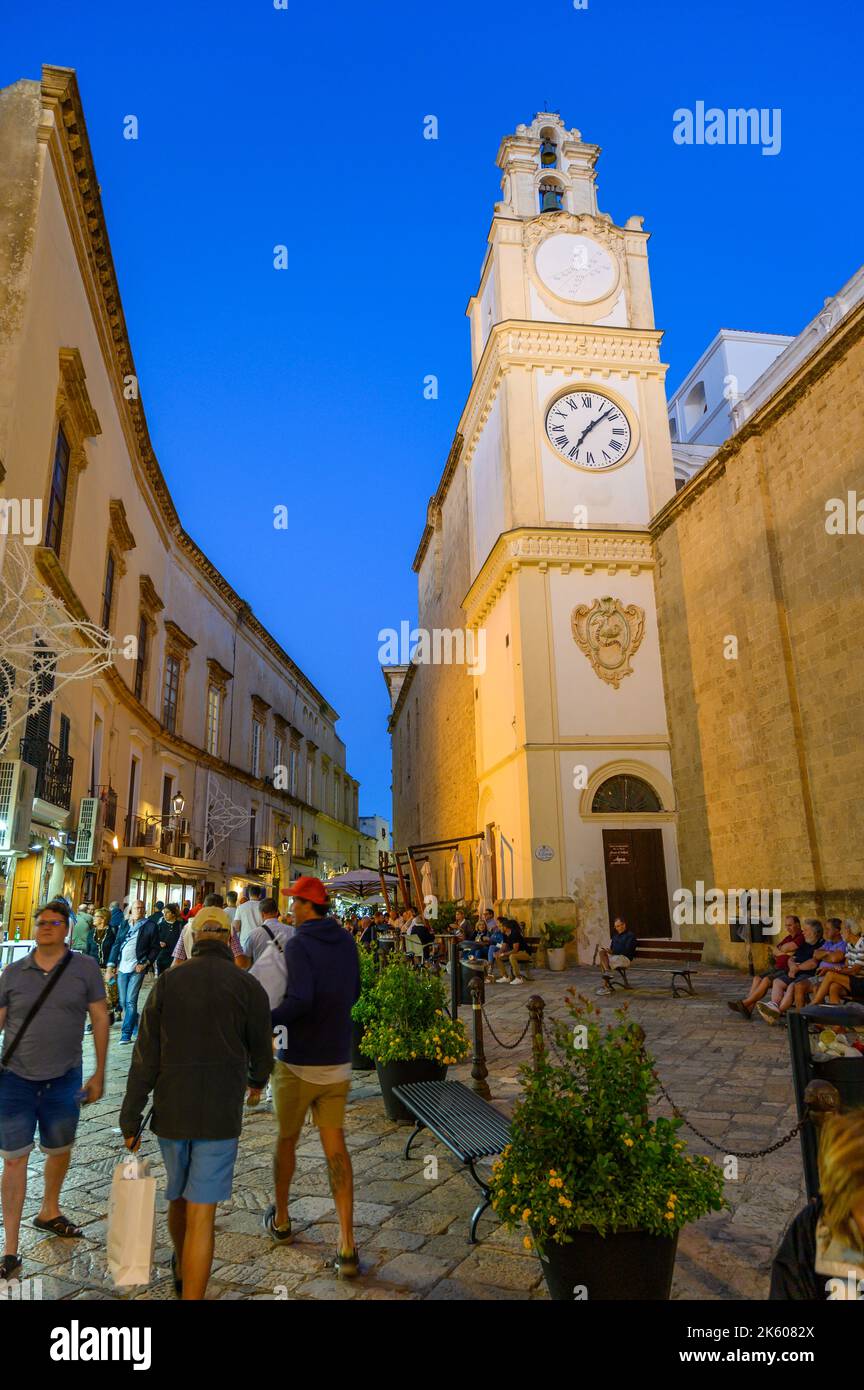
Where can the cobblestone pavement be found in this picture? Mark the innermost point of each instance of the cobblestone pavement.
(730, 1077)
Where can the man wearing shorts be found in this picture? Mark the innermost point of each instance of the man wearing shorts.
(620, 952)
(204, 1037)
(41, 1085)
(313, 1066)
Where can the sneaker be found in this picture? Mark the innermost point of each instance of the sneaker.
(283, 1235)
(502, 980)
(604, 990)
(739, 1007)
(125, 1042)
(769, 1012)
(347, 1266)
(517, 980)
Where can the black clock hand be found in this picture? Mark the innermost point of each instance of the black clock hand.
(590, 427)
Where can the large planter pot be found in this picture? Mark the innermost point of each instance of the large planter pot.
(359, 1060)
(392, 1074)
(629, 1265)
(556, 957)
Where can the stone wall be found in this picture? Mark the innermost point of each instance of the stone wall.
(434, 774)
(768, 744)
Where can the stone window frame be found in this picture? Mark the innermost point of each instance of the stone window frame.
(178, 645)
(217, 681)
(260, 710)
(629, 767)
(150, 606)
(74, 414)
(311, 770)
(120, 541)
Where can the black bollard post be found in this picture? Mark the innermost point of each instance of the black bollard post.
(536, 1007)
(479, 1069)
(455, 980)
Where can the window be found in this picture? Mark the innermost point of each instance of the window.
(108, 591)
(695, 406)
(171, 692)
(256, 748)
(278, 751)
(57, 497)
(292, 772)
(63, 735)
(309, 788)
(626, 794)
(214, 718)
(141, 663)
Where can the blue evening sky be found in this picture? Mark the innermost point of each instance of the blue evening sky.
(304, 126)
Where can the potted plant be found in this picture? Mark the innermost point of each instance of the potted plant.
(600, 1189)
(407, 1030)
(368, 977)
(556, 936)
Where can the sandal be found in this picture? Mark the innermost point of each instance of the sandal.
(10, 1267)
(59, 1226)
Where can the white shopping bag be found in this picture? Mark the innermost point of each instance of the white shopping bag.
(131, 1222)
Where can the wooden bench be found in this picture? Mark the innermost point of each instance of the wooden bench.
(677, 959)
(463, 1121)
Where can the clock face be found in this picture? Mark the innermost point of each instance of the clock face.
(575, 267)
(588, 429)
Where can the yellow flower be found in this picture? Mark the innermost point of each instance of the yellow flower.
(628, 1142)
(564, 1201)
(526, 1241)
(670, 1216)
(552, 1172)
(553, 1220)
(514, 1208)
(672, 1199)
(526, 1213)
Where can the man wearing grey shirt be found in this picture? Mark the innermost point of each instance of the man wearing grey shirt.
(41, 1085)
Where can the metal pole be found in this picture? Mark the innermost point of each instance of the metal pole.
(536, 1006)
(455, 979)
(479, 1069)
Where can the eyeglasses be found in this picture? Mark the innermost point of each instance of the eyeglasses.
(50, 922)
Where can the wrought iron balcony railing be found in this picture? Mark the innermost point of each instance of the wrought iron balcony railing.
(53, 771)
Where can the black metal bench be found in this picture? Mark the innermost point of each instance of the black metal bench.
(463, 1121)
(677, 959)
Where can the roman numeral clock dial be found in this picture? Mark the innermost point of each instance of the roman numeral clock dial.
(588, 430)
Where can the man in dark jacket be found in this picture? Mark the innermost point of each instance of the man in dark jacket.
(313, 1067)
(150, 934)
(204, 1038)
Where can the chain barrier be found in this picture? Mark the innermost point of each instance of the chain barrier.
(550, 1038)
(508, 1047)
(679, 1115)
(722, 1148)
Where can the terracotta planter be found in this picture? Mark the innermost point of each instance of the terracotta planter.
(392, 1074)
(626, 1266)
(556, 957)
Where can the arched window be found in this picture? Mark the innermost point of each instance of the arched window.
(548, 150)
(551, 196)
(695, 406)
(625, 794)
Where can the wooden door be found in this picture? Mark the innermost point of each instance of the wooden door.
(24, 894)
(636, 880)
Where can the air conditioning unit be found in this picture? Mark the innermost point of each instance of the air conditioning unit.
(17, 789)
(89, 825)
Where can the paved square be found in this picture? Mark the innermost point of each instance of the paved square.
(730, 1077)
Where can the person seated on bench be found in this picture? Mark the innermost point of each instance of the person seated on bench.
(845, 979)
(513, 948)
(619, 953)
(762, 983)
(802, 965)
(470, 946)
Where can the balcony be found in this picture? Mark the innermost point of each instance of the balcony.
(108, 797)
(259, 861)
(53, 771)
(169, 836)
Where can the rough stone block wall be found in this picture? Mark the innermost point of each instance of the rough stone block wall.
(768, 747)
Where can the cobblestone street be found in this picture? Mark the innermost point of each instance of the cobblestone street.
(730, 1077)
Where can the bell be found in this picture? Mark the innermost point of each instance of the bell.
(551, 201)
(548, 155)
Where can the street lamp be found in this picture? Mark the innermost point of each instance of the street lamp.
(285, 845)
(179, 804)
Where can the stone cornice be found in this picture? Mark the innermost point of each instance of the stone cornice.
(119, 525)
(401, 697)
(149, 599)
(436, 502)
(562, 549)
(177, 638)
(64, 131)
(219, 676)
(259, 707)
(73, 392)
(848, 332)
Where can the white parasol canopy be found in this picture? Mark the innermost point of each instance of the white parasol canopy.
(457, 877)
(363, 883)
(426, 880)
(484, 877)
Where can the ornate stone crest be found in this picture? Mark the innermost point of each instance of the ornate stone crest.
(609, 635)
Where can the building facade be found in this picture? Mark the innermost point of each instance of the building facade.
(670, 690)
(201, 758)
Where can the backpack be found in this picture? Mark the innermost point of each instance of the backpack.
(271, 971)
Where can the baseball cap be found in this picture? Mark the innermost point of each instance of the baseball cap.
(312, 890)
(211, 919)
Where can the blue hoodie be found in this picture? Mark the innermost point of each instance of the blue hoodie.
(323, 984)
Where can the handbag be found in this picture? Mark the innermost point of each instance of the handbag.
(34, 1009)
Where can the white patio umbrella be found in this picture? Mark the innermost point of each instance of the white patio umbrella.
(457, 876)
(484, 877)
(363, 883)
(426, 880)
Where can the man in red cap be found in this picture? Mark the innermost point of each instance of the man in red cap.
(313, 1066)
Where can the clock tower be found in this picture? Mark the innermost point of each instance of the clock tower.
(567, 456)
